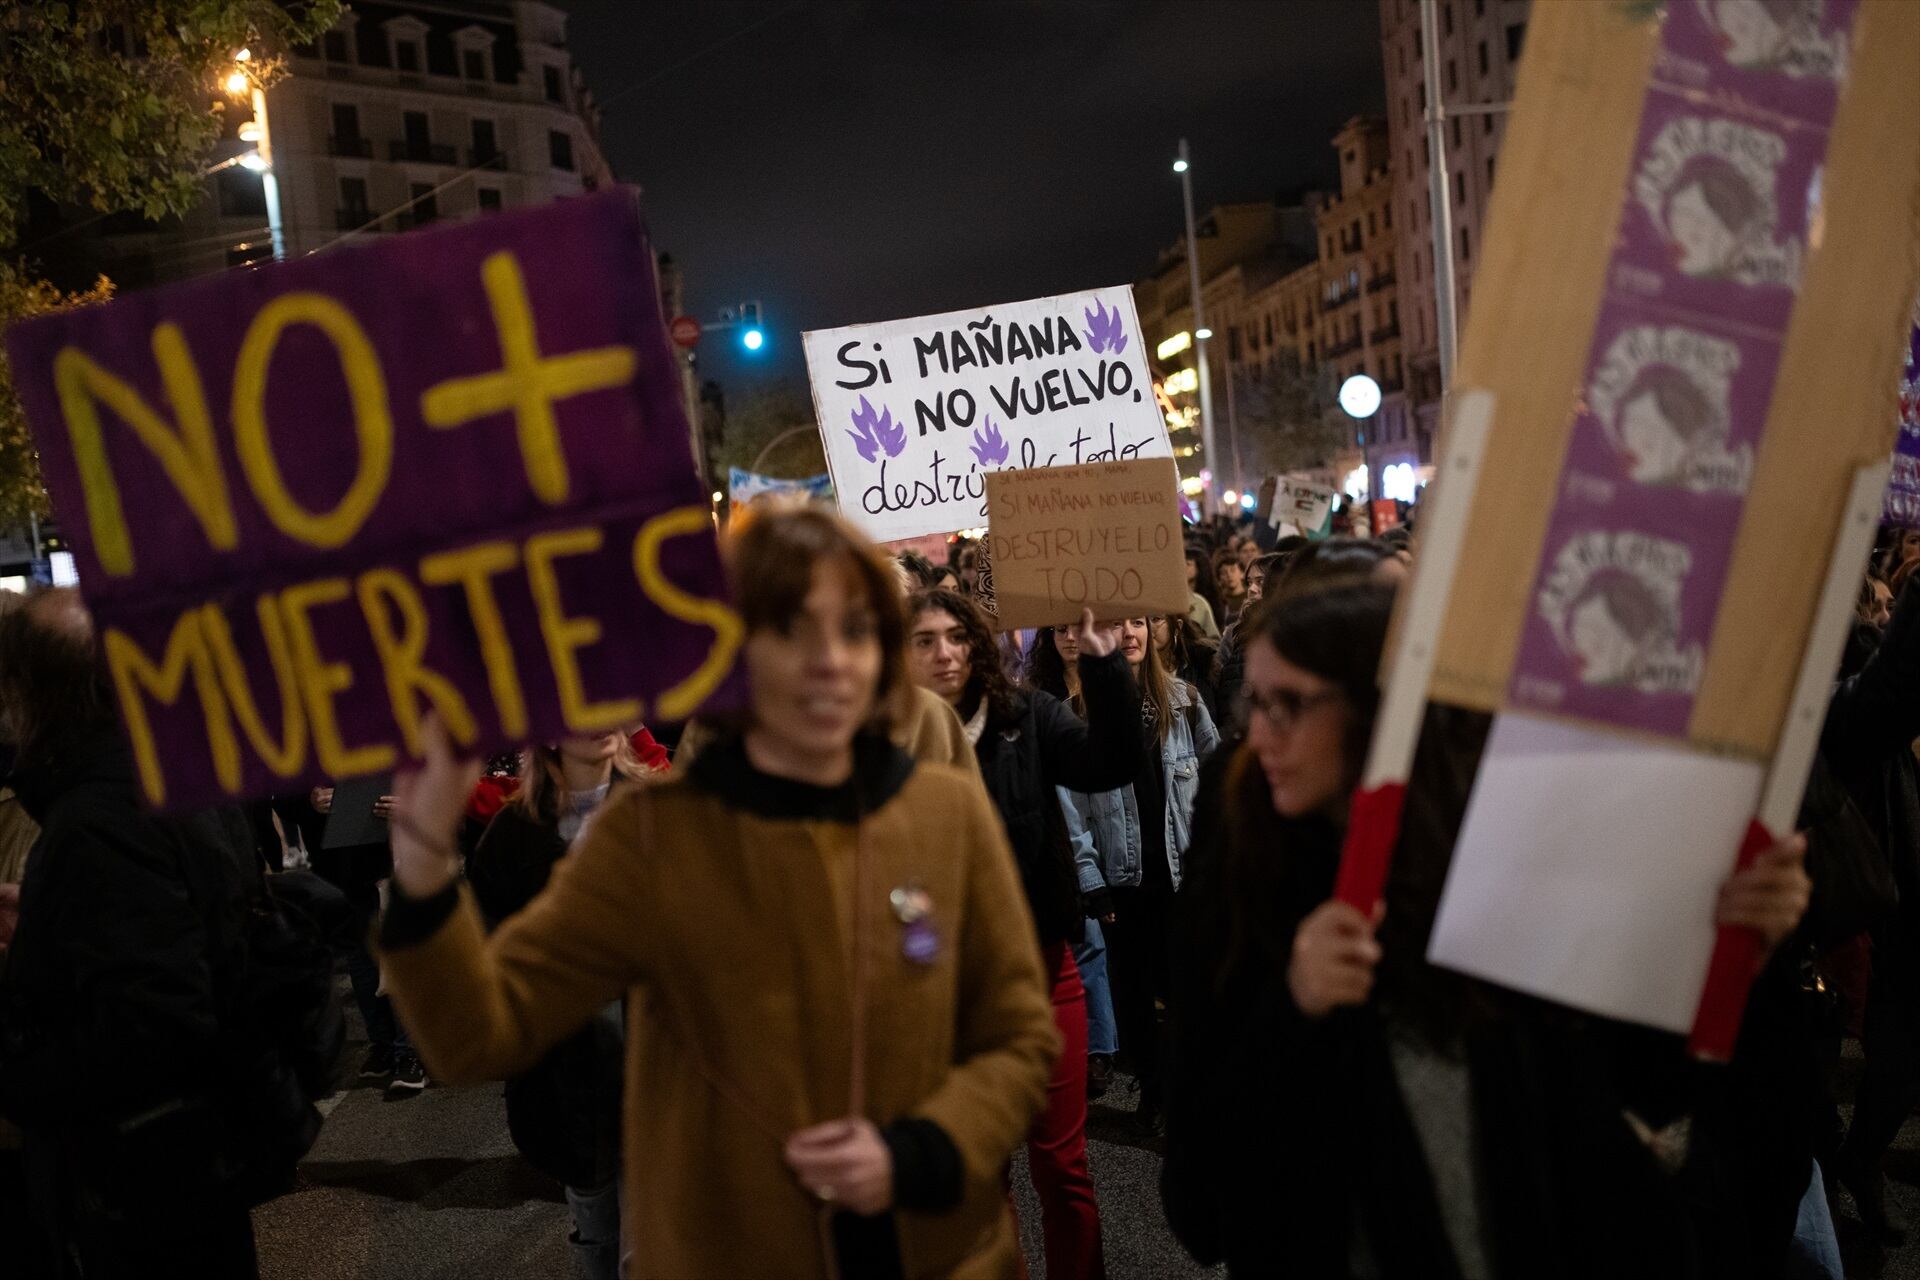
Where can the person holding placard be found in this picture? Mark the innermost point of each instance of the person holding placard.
(564, 1114)
(1434, 1126)
(1135, 838)
(841, 1024)
(1030, 745)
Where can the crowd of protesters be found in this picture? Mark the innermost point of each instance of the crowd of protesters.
(787, 1002)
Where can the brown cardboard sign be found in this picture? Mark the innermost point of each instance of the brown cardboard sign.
(1104, 536)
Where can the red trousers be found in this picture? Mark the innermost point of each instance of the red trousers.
(1057, 1147)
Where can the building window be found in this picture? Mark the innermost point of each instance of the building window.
(1423, 98)
(555, 87)
(334, 47)
(1456, 133)
(406, 55)
(242, 194)
(1466, 245)
(1372, 222)
(354, 210)
(1479, 8)
(1489, 173)
(1446, 18)
(1486, 68)
(1386, 216)
(1453, 76)
(419, 135)
(473, 64)
(1516, 36)
(425, 207)
(486, 148)
(1486, 123)
(346, 130)
(560, 149)
(1459, 186)
(489, 199)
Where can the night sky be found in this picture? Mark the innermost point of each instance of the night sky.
(859, 160)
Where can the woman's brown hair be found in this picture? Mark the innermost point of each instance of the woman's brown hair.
(987, 674)
(543, 787)
(771, 555)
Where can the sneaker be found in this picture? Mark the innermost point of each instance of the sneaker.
(408, 1075)
(378, 1064)
(1099, 1075)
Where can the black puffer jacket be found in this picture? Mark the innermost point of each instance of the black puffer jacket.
(564, 1113)
(1038, 744)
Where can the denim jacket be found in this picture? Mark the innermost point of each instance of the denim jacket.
(1104, 826)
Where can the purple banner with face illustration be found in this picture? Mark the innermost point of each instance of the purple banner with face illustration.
(449, 472)
(1903, 489)
(1714, 233)
(915, 413)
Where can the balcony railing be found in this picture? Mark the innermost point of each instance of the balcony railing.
(1387, 334)
(415, 218)
(353, 219)
(487, 158)
(421, 152)
(343, 146)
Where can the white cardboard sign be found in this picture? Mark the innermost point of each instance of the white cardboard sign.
(1301, 503)
(914, 413)
(1588, 866)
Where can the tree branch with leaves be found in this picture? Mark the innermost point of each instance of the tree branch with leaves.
(113, 106)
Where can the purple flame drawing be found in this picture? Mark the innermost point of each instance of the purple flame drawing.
(1103, 329)
(874, 432)
(989, 446)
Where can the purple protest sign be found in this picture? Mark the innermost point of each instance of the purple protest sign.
(1714, 232)
(447, 472)
(1903, 488)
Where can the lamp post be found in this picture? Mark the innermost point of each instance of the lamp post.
(241, 82)
(1438, 195)
(1201, 334)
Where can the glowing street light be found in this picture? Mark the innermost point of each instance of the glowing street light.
(1180, 165)
(1360, 396)
(237, 83)
(753, 339)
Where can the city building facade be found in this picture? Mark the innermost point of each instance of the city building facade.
(402, 115)
(1478, 47)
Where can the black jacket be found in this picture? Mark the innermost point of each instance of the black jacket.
(110, 1010)
(1037, 744)
(1285, 1134)
(1872, 721)
(564, 1113)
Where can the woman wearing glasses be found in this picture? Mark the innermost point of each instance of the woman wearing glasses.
(1431, 1126)
(1129, 843)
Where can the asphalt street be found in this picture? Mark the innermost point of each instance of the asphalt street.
(428, 1187)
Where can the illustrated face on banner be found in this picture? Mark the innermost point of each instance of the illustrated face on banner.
(915, 413)
(1611, 624)
(1611, 610)
(1776, 35)
(1662, 395)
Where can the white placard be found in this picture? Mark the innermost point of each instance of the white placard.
(1588, 866)
(913, 413)
(1301, 503)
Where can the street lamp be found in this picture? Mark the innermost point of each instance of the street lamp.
(240, 82)
(1360, 400)
(1200, 331)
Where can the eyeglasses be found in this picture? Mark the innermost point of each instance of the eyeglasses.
(1284, 707)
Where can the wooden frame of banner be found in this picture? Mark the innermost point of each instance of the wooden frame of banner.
(1774, 646)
